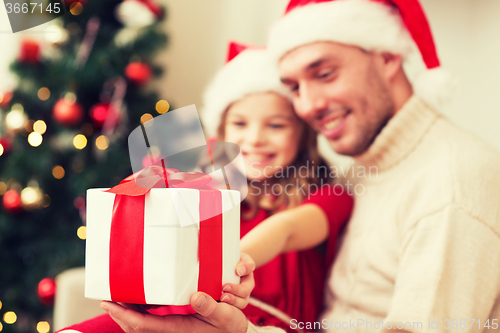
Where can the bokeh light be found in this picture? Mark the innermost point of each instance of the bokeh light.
(102, 142)
(43, 327)
(9, 317)
(3, 189)
(15, 119)
(162, 106)
(35, 139)
(76, 8)
(39, 126)
(29, 196)
(58, 172)
(80, 141)
(43, 93)
(1, 149)
(82, 232)
(145, 117)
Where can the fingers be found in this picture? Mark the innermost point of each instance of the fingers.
(237, 295)
(222, 316)
(245, 266)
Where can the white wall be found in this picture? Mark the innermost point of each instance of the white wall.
(466, 34)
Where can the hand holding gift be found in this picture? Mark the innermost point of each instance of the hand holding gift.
(211, 317)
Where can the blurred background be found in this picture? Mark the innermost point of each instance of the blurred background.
(72, 89)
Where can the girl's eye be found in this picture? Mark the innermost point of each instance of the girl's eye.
(275, 126)
(239, 123)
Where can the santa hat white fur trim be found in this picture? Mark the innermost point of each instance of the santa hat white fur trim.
(370, 25)
(249, 72)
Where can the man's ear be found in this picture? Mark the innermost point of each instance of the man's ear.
(392, 63)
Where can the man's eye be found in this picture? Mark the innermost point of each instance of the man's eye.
(325, 75)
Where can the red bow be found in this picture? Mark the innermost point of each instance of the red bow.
(155, 176)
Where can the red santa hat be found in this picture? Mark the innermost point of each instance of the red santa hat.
(248, 70)
(394, 26)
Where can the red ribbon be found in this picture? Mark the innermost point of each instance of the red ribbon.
(127, 234)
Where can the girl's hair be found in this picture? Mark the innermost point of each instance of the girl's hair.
(307, 158)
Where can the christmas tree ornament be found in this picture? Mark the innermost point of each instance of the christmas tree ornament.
(101, 112)
(138, 73)
(68, 3)
(31, 198)
(138, 13)
(67, 111)
(30, 52)
(6, 144)
(12, 201)
(46, 291)
(5, 99)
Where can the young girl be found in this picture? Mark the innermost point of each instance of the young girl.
(247, 105)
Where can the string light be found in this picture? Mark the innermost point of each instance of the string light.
(43, 93)
(35, 139)
(76, 8)
(146, 117)
(102, 142)
(58, 172)
(80, 141)
(82, 232)
(1, 149)
(162, 106)
(43, 327)
(29, 196)
(39, 126)
(15, 119)
(1, 327)
(10, 317)
(1, 301)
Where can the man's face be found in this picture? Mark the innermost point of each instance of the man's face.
(342, 91)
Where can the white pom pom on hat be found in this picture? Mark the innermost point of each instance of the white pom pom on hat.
(248, 70)
(394, 26)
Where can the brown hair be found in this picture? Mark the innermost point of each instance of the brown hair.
(307, 157)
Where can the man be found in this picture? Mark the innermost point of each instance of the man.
(422, 250)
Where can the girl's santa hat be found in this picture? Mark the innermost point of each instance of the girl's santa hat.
(248, 70)
(393, 26)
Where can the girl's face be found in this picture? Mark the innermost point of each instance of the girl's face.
(267, 130)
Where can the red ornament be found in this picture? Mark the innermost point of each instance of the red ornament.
(12, 201)
(138, 72)
(68, 3)
(101, 112)
(30, 52)
(5, 99)
(67, 112)
(155, 8)
(6, 144)
(46, 291)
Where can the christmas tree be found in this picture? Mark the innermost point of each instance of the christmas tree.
(63, 130)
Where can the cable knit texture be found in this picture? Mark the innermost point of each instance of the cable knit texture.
(423, 243)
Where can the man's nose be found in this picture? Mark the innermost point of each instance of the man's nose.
(310, 102)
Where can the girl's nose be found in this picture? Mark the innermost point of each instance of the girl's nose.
(255, 135)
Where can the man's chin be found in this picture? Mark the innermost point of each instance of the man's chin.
(342, 146)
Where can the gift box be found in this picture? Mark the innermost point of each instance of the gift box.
(161, 247)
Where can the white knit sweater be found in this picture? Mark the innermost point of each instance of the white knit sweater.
(422, 249)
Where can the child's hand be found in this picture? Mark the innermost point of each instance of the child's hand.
(238, 294)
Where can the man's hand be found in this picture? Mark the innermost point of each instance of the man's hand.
(211, 316)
